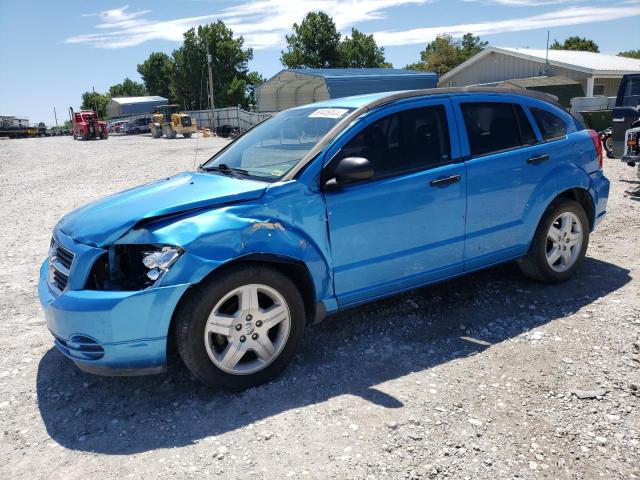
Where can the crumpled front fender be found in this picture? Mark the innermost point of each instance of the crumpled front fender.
(272, 226)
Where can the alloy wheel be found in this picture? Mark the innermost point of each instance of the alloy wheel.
(564, 242)
(247, 329)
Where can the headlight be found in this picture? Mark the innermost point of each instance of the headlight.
(159, 261)
(132, 267)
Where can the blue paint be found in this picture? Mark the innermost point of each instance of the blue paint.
(360, 243)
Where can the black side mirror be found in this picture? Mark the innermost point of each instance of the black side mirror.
(350, 169)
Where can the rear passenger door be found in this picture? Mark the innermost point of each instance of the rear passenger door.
(509, 175)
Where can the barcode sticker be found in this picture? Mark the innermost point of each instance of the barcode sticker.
(328, 113)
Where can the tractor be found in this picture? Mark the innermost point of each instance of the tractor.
(169, 121)
(86, 125)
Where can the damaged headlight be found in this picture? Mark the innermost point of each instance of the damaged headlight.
(159, 261)
(132, 267)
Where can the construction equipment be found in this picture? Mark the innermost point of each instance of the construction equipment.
(169, 121)
(87, 126)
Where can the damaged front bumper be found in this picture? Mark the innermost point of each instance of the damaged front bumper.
(104, 331)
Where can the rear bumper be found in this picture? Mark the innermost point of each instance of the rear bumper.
(111, 333)
(600, 193)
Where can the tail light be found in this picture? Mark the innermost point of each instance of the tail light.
(595, 138)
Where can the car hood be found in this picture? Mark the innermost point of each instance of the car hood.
(102, 222)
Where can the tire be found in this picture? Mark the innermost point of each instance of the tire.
(187, 135)
(608, 146)
(205, 354)
(168, 132)
(155, 131)
(537, 263)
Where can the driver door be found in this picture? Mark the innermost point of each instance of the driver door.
(406, 226)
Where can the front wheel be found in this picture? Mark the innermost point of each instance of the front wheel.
(241, 328)
(559, 244)
(187, 135)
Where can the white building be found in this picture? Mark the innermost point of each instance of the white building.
(599, 74)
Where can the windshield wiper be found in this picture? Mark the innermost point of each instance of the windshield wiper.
(226, 169)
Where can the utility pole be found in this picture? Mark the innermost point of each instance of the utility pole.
(55, 115)
(546, 60)
(95, 100)
(211, 104)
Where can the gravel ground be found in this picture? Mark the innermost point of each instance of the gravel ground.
(476, 378)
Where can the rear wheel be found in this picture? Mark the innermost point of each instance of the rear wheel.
(187, 135)
(559, 244)
(242, 328)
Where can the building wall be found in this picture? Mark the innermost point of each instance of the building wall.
(497, 67)
(610, 85)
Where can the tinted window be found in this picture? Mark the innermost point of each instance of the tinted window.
(551, 126)
(527, 137)
(405, 141)
(491, 127)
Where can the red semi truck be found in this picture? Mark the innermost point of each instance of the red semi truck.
(86, 125)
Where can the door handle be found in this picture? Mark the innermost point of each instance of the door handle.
(444, 181)
(538, 159)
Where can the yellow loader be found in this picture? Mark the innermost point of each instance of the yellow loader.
(169, 121)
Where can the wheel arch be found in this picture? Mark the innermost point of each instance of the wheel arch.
(584, 198)
(296, 270)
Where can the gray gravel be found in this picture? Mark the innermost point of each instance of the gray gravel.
(488, 376)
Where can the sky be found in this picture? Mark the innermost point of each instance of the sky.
(52, 51)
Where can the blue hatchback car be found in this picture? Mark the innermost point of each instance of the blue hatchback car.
(317, 209)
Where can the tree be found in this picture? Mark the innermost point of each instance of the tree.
(470, 45)
(444, 53)
(630, 54)
(576, 43)
(361, 51)
(95, 101)
(254, 80)
(156, 72)
(128, 88)
(229, 65)
(314, 43)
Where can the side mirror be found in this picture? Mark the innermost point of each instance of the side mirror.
(350, 169)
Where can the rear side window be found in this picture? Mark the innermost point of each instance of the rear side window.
(404, 141)
(551, 125)
(527, 137)
(491, 127)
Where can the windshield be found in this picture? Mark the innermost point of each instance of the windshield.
(629, 92)
(275, 146)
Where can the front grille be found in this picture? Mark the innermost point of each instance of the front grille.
(65, 257)
(60, 261)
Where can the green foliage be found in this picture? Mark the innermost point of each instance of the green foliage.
(316, 43)
(444, 53)
(361, 51)
(576, 43)
(95, 101)
(630, 54)
(229, 66)
(156, 72)
(128, 88)
(254, 80)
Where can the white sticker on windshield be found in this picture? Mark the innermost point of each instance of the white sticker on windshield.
(328, 113)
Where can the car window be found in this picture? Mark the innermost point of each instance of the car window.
(491, 127)
(551, 126)
(527, 137)
(404, 141)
